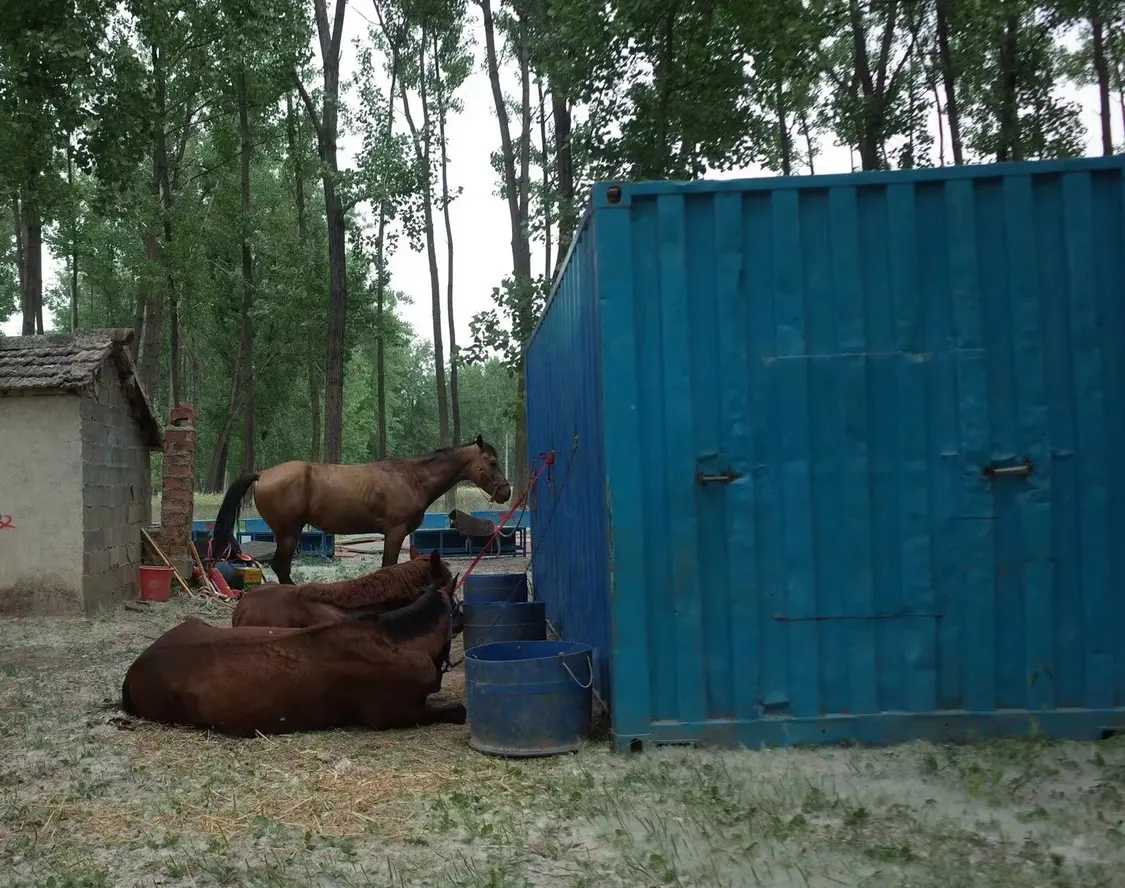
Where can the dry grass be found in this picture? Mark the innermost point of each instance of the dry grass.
(89, 800)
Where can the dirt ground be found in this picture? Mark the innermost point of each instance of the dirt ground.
(87, 800)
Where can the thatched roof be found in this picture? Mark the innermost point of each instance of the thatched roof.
(65, 363)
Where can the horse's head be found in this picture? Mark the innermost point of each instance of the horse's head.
(484, 472)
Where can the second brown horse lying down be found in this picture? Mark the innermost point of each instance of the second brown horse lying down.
(371, 669)
(307, 604)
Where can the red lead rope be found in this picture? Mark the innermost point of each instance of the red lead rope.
(548, 460)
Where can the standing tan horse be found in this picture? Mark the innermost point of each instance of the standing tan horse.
(387, 496)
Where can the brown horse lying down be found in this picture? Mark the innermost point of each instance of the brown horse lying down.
(372, 669)
(275, 604)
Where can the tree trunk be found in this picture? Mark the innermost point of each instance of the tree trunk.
(1120, 85)
(247, 344)
(810, 147)
(1008, 148)
(422, 152)
(73, 238)
(949, 80)
(381, 287)
(216, 474)
(154, 305)
(564, 176)
(783, 140)
(21, 253)
(164, 191)
(547, 202)
(874, 87)
(326, 131)
(315, 382)
(521, 249)
(525, 128)
(1101, 69)
(454, 388)
(337, 318)
(31, 230)
(940, 128)
(140, 310)
(381, 348)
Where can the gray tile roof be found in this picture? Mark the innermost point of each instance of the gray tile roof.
(58, 363)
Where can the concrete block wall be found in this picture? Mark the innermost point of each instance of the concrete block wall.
(117, 495)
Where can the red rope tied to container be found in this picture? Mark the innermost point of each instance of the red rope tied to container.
(548, 460)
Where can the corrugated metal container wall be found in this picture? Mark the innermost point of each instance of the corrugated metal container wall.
(570, 524)
(861, 441)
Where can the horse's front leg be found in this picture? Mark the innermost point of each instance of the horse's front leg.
(397, 712)
(392, 544)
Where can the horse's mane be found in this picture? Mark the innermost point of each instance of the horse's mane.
(441, 451)
(416, 618)
(395, 585)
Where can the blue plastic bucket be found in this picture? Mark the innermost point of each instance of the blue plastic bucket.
(528, 698)
(480, 588)
(504, 621)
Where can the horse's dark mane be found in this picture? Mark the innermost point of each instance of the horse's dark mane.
(416, 618)
(372, 588)
(441, 451)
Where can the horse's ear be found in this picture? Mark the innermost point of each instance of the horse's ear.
(435, 563)
(414, 553)
(480, 441)
(453, 585)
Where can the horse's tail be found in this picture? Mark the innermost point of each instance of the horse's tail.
(223, 536)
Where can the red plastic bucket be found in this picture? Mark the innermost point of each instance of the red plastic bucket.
(156, 583)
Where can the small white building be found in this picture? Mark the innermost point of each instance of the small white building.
(76, 435)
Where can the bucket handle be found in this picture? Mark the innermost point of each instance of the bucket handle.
(589, 660)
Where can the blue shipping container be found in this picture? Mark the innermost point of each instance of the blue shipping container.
(837, 456)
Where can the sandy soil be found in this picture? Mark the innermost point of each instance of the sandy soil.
(89, 799)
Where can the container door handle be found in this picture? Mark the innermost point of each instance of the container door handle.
(1022, 470)
(724, 478)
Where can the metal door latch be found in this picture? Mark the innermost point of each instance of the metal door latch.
(1022, 470)
(724, 478)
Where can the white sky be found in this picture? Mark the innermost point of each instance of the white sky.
(482, 252)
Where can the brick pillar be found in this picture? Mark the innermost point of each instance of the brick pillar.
(177, 501)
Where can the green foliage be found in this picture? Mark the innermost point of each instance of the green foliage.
(649, 90)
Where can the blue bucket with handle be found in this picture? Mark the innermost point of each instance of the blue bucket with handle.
(529, 698)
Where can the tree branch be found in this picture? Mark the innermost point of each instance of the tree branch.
(887, 44)
(185, 135)
(338, 30)
(306, 99)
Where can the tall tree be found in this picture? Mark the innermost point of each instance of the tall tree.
(520, 288)
(451, 66)
(326, 126)
(388, 178)
(52, 76)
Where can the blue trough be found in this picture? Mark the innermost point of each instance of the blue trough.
(491, 621)
(528, 698)
(482, 588)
